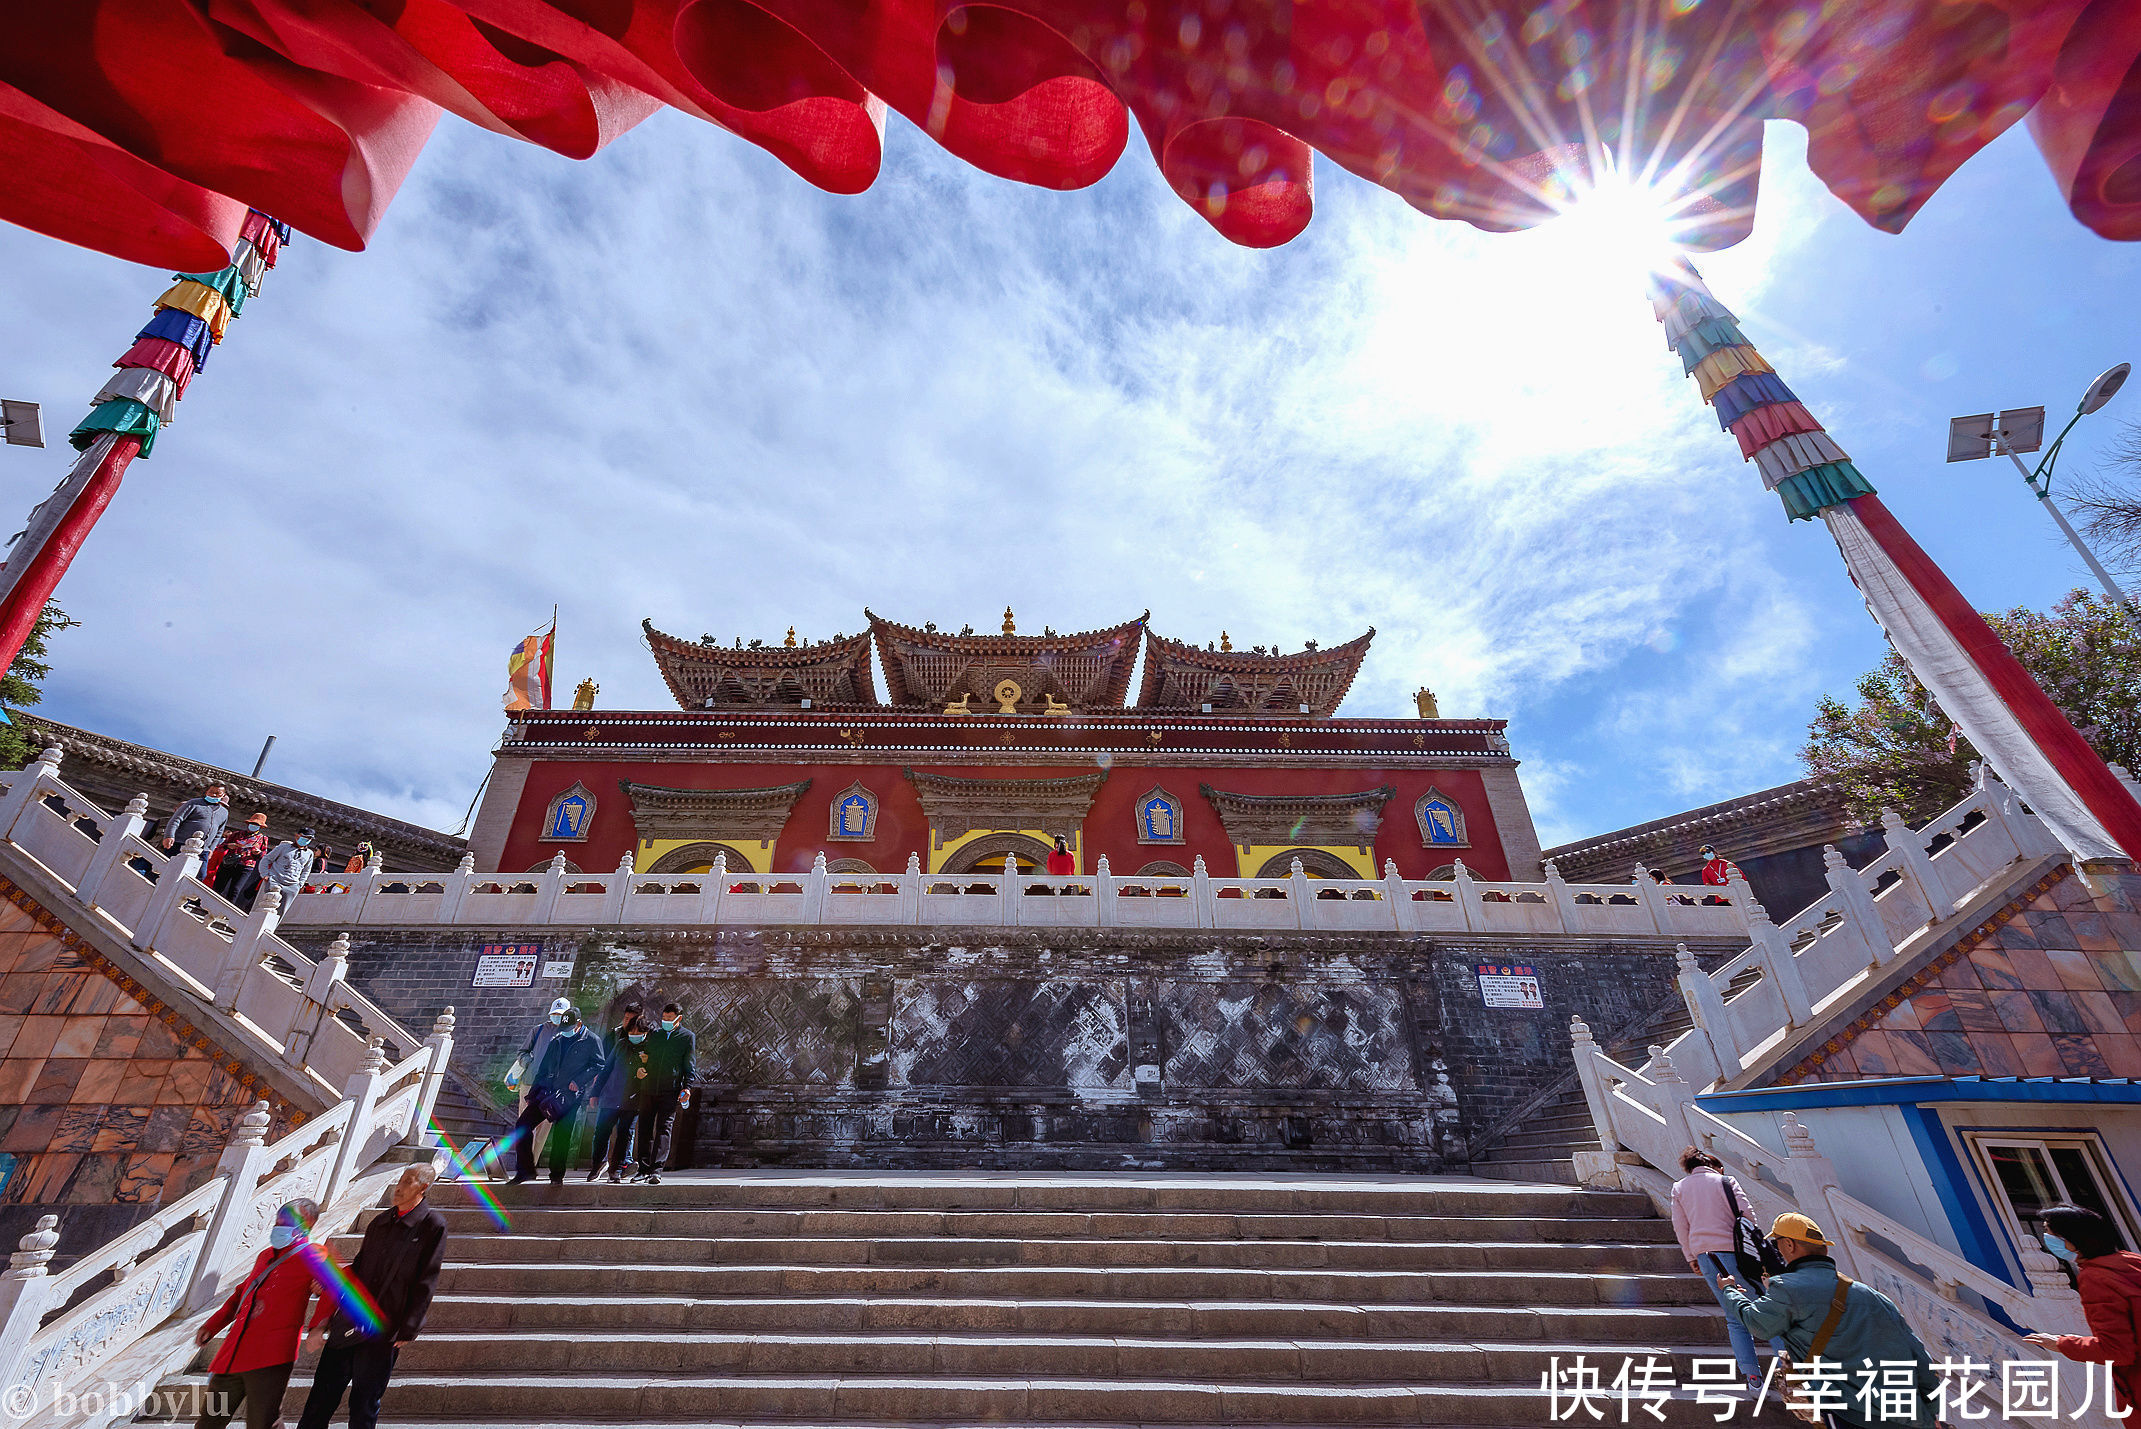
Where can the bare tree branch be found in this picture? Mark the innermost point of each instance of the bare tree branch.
(2108, 504)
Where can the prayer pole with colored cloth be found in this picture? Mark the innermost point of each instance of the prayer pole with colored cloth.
(1968, 669)
(126, 414)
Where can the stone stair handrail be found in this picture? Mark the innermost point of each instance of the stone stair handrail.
(558, 896)
(191, 1253)
(1646, 1118)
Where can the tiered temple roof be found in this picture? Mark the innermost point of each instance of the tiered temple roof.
(1181, 676)
(1028, 674)
(831, 672)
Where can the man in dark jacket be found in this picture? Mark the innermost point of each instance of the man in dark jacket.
(205, 816)
(666, 1085)
(563, 1078)
(398, 1267)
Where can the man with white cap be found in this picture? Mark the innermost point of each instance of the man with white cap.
(1853, 1331)
(518, 1076)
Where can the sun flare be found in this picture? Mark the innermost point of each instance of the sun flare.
(1622, 224)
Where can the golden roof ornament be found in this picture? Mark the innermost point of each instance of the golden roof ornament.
(1010, 626)
(791, 638)
(1424, 699)
(583, 698)
(1224, 642)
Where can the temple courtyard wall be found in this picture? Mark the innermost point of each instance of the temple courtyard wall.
(1054, 1048)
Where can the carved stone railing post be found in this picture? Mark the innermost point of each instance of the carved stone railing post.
(316, 1003)
(163, 902)
(111, 848)
(548, 885)
(815, 890)
(2062, 1313)
(25, 1296)
(1007, 910)
(910, 910)
(1812, 1176)
(441, 1044)
(1565, 907)
(1674, 1094)
(215, 1267)
(1744, 904)
(1304, 898)
(1907, 851)
(1103, 894)
(1467, 895)
(28, 785)
(1774, 952)
(453, 895)
(712, 890)
(1596, 1094)
(1395, 894)
(618, 896)
(1855, 902)
(363, 1091)
(1200, 892)
(1706, 1004)
(243, 955)
(1654, 905)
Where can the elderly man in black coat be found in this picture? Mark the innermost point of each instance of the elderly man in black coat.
(665, 1085)
(398, 1266)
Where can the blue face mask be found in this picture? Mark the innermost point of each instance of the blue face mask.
(637, 1036)
(213, 799)
(280, 1236)
(668, 1024)
(304, 843)
(2057, 1247)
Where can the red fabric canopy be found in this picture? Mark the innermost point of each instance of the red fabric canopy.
(143, 127)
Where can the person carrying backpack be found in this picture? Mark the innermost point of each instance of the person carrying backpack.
(1708, 1207)
(2110, 1284)
(1822, 1314)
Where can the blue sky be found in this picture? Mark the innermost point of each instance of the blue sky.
(676, 382)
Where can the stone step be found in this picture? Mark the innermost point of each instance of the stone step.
(1303, 1195)
(1545, 1136)
(637, 1253)
(1694, 1324)
(1556, 1169)
(626, 1217)
(975, 1356)
(1499, 1287)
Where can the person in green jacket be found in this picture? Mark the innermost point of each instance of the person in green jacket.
(1869, 1341)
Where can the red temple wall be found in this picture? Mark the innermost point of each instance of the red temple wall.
(1110, 827)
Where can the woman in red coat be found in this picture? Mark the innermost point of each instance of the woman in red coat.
(266, 1316)
(2110, 1284)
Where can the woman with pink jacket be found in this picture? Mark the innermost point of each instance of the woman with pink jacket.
(1707, 1205)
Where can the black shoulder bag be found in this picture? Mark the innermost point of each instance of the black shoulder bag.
(1756, 1252)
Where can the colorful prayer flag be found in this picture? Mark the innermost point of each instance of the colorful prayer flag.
(528, 670)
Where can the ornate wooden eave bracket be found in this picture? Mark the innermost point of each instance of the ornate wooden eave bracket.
(962, 806)
(1314, 820)
(714, 814)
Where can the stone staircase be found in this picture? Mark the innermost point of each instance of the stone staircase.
(1540, 1142)
(962, 1298)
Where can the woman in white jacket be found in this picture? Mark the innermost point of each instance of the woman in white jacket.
(1707, 1204)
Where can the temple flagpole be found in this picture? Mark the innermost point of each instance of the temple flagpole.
(126, 414)
(1948, 646)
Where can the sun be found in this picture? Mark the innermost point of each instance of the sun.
(1620, 225)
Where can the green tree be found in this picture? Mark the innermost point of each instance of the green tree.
(19, 686)
(1895, 749)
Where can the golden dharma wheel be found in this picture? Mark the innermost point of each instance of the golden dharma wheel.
(1009, 692)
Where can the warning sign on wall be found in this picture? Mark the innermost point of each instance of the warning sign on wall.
(507, 964)
(1509, 985)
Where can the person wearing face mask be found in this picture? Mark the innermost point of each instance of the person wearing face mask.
(265, 1316)
(531, 1057)
(284, 868)
(236, 870)
(204, 816)
(398, 1268)
(2109, 1279)
(665, 1082)
(563, 1078)
(617, 1101)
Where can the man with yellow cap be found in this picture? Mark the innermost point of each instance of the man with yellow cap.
(1881, 1374)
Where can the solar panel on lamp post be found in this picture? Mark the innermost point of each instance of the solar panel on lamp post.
(22, 424)
(2022, 430)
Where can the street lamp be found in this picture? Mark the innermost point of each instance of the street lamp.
(2022, 430)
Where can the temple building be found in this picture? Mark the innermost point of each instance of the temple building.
(993, 746)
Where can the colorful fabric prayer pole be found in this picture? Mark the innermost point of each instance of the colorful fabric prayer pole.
(1955, 655)
(125, 416)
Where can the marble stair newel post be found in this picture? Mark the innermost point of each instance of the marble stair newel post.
(125, 416)
(25, 1294)
(1975, 678)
